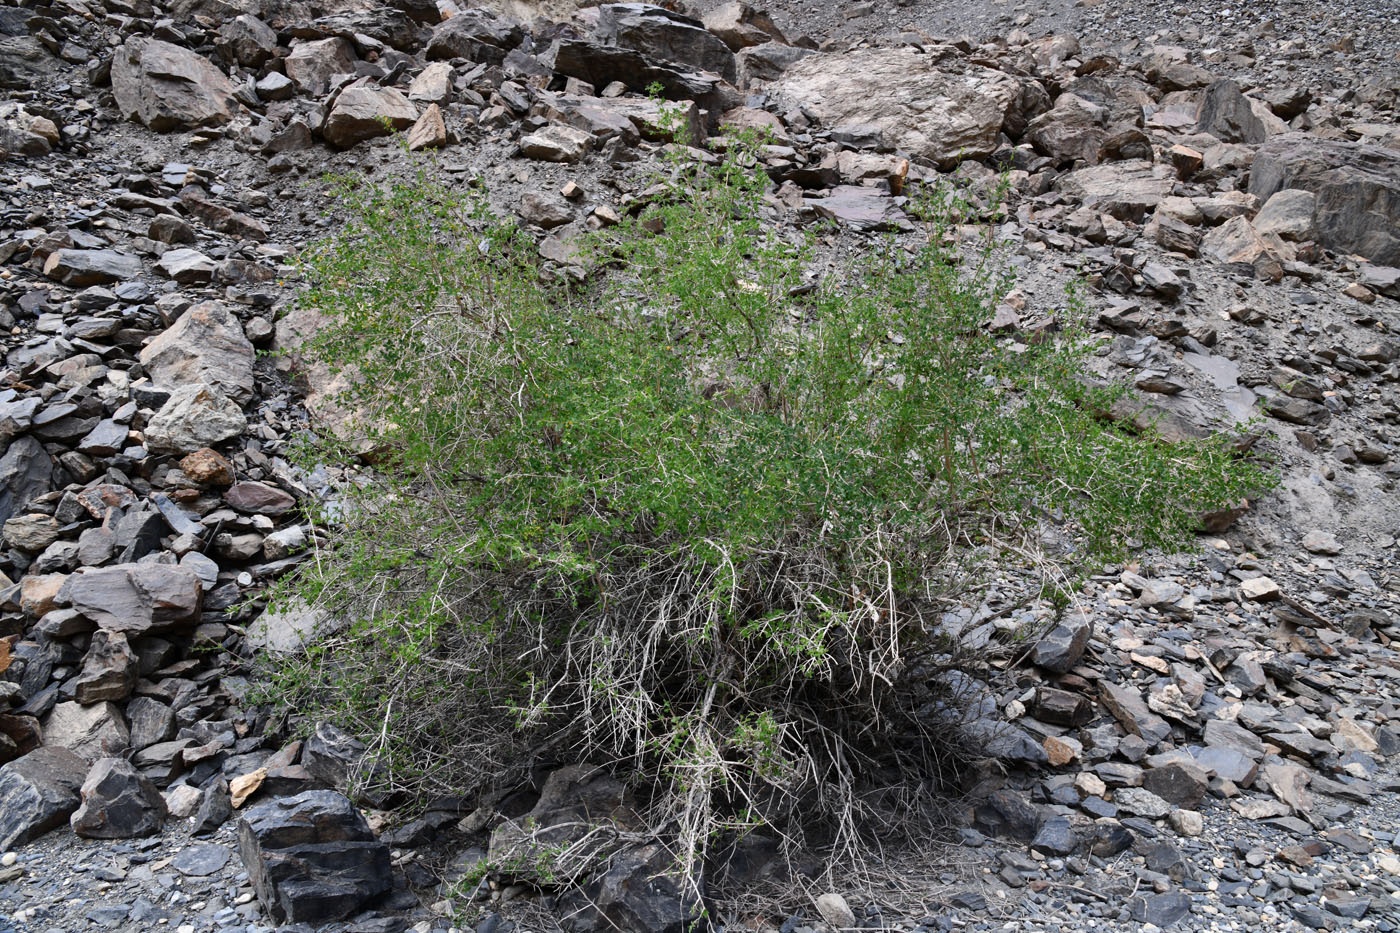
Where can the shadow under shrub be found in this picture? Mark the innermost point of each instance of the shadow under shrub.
(702, 518)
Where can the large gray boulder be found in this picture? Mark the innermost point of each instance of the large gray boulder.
(1127, 190)
(1225, 113)
(475, 34)
(1357, 187)
(361, 113)
(942, 116)
(136, 598)
(195, 416)
(206, 345)
(740, 26)
(312, 65)
(664, 36)
(312, 858)
(91, 732)
(118, 802)
(82, 267)
(169, 88)
(37, 793)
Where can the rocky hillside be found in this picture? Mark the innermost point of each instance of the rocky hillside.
(1203, 742)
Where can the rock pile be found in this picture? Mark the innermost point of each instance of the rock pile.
(1242, 242)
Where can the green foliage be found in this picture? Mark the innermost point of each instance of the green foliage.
(702, 516)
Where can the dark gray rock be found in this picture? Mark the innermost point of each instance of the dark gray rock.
(1063, 645)
(80, 267)
(312, 858)
(1357, 188)
(475, 34)
(137, 598)
(1007, 815)
(664, 36)
(332, 755)
(1224, 113)
(640, 892)
(1055, 837)
(109, 669)
(118, 802)
(1161, 910)
(37, 793)
(169, 88)
(150, 720)
(26, 471)
(1177, 783)
(215, 807)
(202, 860)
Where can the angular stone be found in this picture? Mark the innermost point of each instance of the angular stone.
(202, 860)
(1260, 589)
(1287, 214)
(206, 345)
(169, 88)
(1004, 814)
(1141, 802)
(332, 756)
(31, 532)
(1227, 763)
(1177, 783)
(1062, 707)
(1055, 837)
(195, 416)
(1357, 188)
(556, 143)
(847, 88)
(78, 268)
(1225, 113)
(429, 132)
(259, 498)
(1222, 734)
(768, 61)
(1321, 542)
(109, 669)
(312, 65)
(26, 471)
(473, 34)
(136, 598)
(1062, 647)
(186, 266)
(151, 722)
(661, 35)
(1126, 190)
(93, 732)
(1126, 705)
(364, 112)
(864, 209)
(740, 26)
(207, 467)
(248, 40)
(215, 807)
(433, 85)
(118, 803)
(37, 793)
(312, 857)
(1160, 910)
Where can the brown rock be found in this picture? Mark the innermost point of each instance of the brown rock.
(169, 88)
(429, 132)
(207, 467)
(260, 498)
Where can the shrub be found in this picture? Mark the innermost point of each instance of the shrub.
(703, 516)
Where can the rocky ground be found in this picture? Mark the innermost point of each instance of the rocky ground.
(1203, 742)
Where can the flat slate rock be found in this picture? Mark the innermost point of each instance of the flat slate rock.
(201, 860)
